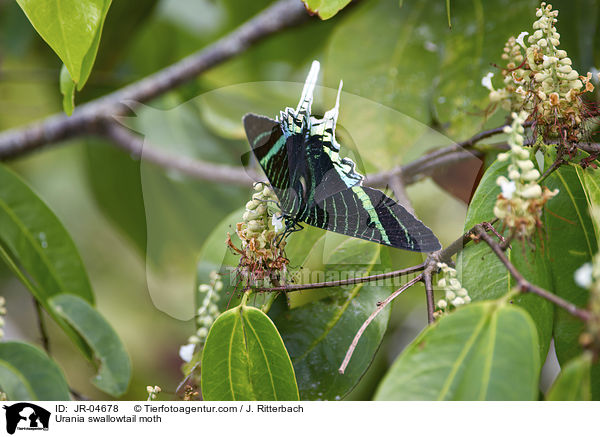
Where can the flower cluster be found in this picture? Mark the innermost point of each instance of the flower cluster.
(520, 204)
(539, 78)
(455, 294)
(206, 315)
(262, 256)
(153, 392)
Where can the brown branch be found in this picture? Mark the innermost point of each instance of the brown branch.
(439, 158)
(137, 146)
(380, 307)
(427, 280)
(343, 282)
(557, 163)
(281, 15)
(523, 284)
(396, 183)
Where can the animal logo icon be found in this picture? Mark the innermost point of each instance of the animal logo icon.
(26, 416)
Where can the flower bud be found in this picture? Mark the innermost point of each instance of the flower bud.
(458, 301)
(256, 226)
(531, 175)
(531, 191)
(525, 164)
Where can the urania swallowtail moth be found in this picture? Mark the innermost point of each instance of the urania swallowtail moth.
(315, 185)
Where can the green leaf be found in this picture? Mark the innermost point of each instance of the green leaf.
(244, 358)
(67, 89)
(325, 8)
(114, 179)
(573, 382)
(27, 373)
(590, 180)
(72, 28)
(571, 243)
(114, 372)
(38, 249)
(483, 351)
(485, 277)
(321, 325)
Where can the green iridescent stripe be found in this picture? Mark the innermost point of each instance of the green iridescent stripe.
(273, 151)
(368, 206)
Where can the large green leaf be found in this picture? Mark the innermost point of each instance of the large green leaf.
(590, 181)
(571, 243)
(244, 358)
(72, 28)
(321, 325)
(485, 277)
(36, 246)
(114, 179)
(483, 351)
(27, 373)
(114, 371)
(573, 382)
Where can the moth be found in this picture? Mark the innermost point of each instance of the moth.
(315, 185)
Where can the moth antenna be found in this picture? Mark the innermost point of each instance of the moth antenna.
(309, 87)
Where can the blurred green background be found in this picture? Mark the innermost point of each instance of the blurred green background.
(410, 84)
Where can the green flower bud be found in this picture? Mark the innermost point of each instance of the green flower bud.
(256, 226)
(252, 204)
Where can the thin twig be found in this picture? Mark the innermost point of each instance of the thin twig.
(427, 280)
(191, 375)
(140, 148)
(397, 185)
(523, 284)
(380, 307)
(282, 15)
(343, 282)
(555, 165)
(42, 326)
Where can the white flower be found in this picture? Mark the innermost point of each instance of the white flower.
(277, 222)
(583, 275)
(520, 39)
(458, 301)
(186, 352)
(486, 81)
(508, 188)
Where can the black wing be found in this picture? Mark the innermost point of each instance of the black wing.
(272, 148)
(366, 213)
